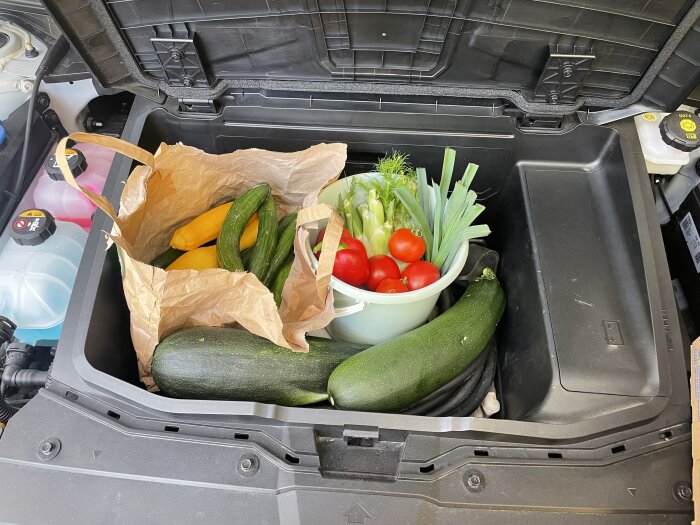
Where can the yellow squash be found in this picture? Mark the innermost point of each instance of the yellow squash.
(197, 259)
(206, 227)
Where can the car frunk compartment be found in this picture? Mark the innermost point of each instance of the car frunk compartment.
(577, 342)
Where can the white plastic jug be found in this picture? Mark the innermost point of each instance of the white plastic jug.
(90, 165)
(368, 317)
(38, 266)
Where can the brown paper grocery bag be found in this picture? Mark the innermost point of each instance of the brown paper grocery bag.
(179, 183)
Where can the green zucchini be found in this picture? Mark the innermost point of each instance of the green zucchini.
(394, 375)
(267, 239)
(233, 364)
(166, 258)
(285, 243)
(228, 243)
(281, 278)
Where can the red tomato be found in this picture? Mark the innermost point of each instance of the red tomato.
(420, 274)
(392, 286)
(346, 234)
(351, 265)
(353, 244)
(381, 267)
(406, 246)
(347, 239)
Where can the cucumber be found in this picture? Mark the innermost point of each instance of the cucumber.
(228, 243)
(285, 243)
(245, 257)
(394, 375)
(284, 221)
(235, 365)
(166, 258)
(281, 278)
(267, 239)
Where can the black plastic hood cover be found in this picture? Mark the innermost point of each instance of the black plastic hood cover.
(547, 56)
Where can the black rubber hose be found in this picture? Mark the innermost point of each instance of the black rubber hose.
(445, 392)
(477, 396)
(436, 399)
(6, 411)
(457, 396)
(464, 392)
(51, 59)
(22, 173)
(29, 378)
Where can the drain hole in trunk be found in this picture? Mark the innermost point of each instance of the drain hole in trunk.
(427, 468)
(72, 396)
(618, 449)
(360, 442)
(665, 435)
(484, 453)
(170, 428)
(113, 415)
(554, 455)
(291, 459)
(238, 435)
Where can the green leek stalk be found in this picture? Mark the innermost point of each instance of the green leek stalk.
(444, 218)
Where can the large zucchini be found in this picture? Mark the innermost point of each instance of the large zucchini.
(394, 375)
(205, 228)
(233, 364)
(203, 258)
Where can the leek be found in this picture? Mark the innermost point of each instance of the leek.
(445, 219)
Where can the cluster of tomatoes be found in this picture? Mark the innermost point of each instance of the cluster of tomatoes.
(381, 273)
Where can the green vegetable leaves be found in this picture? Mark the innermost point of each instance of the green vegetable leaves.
(374, 220)
(399, 196)
(446, 221)
(419, 208)
(394, 172)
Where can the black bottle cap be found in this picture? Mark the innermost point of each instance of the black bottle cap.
(32, 227)
(681, 130)
(76, 162)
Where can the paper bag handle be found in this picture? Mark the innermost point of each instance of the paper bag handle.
(331, 240)
(120, 146)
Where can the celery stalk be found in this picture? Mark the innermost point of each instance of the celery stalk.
(352, 218)
(374, 227)
(341, 210)
(375, 208)
(390, 211)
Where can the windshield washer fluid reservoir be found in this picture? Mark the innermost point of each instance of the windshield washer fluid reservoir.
(38, 266)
